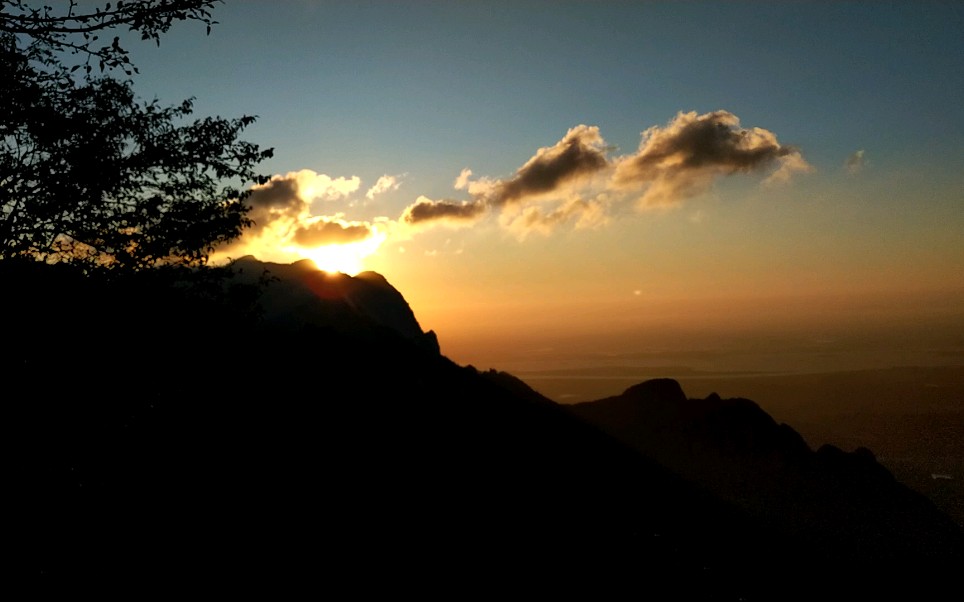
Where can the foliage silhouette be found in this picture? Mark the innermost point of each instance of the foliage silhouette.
(89, 173)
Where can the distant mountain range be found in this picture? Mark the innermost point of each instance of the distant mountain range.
(844, 504)
(319, 439)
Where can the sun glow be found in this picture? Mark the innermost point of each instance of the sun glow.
(348, 258)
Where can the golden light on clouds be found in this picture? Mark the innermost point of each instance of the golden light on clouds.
(574, 182)
(348, 258)
(293, 219)
(333, 244)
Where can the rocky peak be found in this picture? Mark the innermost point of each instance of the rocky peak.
(299, 294)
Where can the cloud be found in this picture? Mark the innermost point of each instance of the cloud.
(683, 158)
(384, 184)
(674, 162)
(285, 225)
(315, 186)
(578, 155)
(584, 214)
(327, 231)
(451, 213)
(276, 199)
(462, 182)
(573, 183)
(290, 196)
(855, 162)
(581, 152)
(788, 166)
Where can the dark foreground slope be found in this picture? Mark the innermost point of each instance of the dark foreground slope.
(846, 506)
(163, 439)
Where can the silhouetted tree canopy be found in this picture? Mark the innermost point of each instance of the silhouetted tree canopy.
(93, 175)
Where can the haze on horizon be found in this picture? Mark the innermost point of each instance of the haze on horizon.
(725, 186)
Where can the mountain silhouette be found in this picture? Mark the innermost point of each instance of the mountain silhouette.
(846, 506)
(299, 294)
(169, 439)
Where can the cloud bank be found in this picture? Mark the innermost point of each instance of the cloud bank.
(567, 182)
(286, 225)
(574, 182)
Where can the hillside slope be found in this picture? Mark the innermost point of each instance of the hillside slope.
(846, 505)
(165, 439)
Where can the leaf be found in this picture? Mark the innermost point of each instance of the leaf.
(101, 152)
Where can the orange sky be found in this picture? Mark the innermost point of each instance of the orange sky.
(526, 186)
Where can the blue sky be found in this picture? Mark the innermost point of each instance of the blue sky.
(400, 83)
(422, 90)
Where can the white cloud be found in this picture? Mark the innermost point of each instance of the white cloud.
(384, 184)
(462, 182)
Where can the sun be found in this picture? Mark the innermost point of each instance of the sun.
(348, 258)
(335, 258)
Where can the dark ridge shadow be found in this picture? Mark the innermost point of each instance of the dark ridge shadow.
(163, 440)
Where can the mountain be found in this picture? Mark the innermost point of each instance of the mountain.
(846, 506)
(172, 437)
(299, 293)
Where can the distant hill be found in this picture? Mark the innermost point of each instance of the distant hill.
(846, 505)
(166, 438)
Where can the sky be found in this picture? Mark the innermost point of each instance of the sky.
(725, 185)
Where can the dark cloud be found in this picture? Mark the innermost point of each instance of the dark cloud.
(692, 142)
(276, 198)
(683, 158)
(581, 152)
(288, 198)
(324, 232)
(427, 210)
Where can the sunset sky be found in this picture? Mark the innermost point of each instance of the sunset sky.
(627, 179)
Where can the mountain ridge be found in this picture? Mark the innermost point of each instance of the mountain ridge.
(210, 446)
(740, 453)
(299, 293)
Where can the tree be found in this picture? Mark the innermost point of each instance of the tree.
(90, 174)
